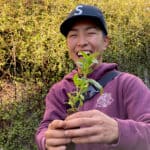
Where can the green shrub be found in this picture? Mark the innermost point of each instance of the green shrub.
(33, 52)
(18, 122)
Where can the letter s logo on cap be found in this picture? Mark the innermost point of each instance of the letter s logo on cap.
(79, 11)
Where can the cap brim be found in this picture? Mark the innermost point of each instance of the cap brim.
(68, 23)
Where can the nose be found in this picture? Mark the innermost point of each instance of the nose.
(82, 41)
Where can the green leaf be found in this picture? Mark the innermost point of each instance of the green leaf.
(95, 83)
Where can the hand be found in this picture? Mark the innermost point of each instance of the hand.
(55, 137)
(91, 127)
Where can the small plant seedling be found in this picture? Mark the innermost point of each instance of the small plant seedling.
(81, 82)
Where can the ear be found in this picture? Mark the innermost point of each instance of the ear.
(106, 42)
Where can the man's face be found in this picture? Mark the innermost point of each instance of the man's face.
(86, 36)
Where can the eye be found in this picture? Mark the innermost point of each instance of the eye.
(91, 32)
(72, 34)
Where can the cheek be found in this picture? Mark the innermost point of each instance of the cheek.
(97, 45)
(100, 45)
(70, 45)
(95, 42)
(71, 52)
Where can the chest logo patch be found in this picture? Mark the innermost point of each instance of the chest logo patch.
(104, 100)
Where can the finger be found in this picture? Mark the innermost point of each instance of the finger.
(56, 147)
(83, 122)
(50, 133)
(57, 141)
(88, 131)
(83, 114)
(89, 139)
(56, 124)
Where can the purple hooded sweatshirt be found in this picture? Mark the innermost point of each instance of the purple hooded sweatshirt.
(125, 98)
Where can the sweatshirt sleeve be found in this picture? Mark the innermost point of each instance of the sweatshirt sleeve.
(134, 132)
(55, 109)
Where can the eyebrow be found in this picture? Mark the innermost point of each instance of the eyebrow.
(93, 27)
(87, 28)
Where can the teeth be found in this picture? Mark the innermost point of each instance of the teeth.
(79, 54)
(86, 52)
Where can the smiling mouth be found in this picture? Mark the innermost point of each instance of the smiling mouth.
(79, 54)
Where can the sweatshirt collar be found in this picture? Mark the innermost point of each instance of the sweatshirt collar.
(102, 69)
(97, 73)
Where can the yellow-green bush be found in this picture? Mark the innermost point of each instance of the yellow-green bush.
(33, 50)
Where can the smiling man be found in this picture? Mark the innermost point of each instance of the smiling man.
(119, 119)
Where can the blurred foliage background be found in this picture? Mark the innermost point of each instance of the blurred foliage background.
(33, 55)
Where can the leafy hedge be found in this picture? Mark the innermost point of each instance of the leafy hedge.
(34, 53)
(18, 124)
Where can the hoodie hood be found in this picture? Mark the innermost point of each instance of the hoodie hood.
(97, 73)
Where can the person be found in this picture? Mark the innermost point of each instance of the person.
(119, 119)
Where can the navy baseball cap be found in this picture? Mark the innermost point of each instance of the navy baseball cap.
(84, 11)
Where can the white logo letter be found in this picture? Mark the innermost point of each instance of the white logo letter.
(78, 10)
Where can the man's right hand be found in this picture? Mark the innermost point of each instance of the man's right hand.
(55, 137)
